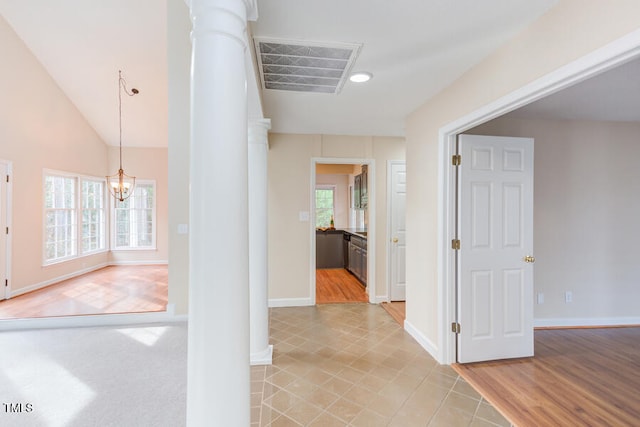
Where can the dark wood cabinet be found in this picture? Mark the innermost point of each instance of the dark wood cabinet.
(329, 249)
(358, 258)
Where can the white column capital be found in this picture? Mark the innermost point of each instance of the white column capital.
(223, 17)
(259, 131)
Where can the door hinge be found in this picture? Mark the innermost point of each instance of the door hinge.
(455, 244)
(455, 327)
(456, 159)
(6, 282)
(7, 178)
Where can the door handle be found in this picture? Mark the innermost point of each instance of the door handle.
(394, 240)
(529, 258)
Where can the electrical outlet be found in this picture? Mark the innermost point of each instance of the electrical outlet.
(568, 296)
(540, 298)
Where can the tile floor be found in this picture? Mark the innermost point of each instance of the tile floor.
(353, 365)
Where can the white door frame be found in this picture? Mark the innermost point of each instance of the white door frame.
(389, 234)
(610, 56)
(371, 227)
(7, 206)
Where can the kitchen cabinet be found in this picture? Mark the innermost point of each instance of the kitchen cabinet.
(358, 258)
(360, 189)
(329, 249)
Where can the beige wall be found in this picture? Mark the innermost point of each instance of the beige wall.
(567, 32)
(179, 72)
(41, 129)
(585, 216)
(290, 193)
(146, 164)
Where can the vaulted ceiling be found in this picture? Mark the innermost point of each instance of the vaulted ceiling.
(413, 48)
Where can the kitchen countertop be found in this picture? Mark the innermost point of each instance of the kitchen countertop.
(360, 232)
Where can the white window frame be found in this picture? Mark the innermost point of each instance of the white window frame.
(103, 222)
(79, 250)
(113, 204)
(332, 187)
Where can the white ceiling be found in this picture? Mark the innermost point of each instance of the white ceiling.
(83, 44)
(414, 48)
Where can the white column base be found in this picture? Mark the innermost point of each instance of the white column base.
(264, 357)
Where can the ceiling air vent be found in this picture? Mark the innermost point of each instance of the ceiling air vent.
(304, 66)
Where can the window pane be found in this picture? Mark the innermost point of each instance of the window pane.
(60, 217)
(324, 206)
(133, 219)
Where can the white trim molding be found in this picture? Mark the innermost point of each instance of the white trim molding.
(167, 316)
(424, 342)
(290, 302)
(586, 322)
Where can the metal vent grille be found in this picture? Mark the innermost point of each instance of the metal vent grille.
(303, 66)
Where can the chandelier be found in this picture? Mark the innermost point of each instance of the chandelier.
(120, 184)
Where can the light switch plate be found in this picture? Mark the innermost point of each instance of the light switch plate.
(303, 216)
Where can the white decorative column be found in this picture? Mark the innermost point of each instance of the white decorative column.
(218, 390)
(261, 351)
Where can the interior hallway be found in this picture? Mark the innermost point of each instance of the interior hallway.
(353, 365)
(110, 290)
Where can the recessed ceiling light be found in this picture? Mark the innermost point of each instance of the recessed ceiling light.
(360, 77)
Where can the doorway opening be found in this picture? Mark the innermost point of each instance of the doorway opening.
(342, 225)
(616, 53)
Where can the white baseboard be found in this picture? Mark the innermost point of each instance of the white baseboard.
(289, 302)
(586, 322)
(151, 262)
(167, 316)
(425, 342)
(262, 358)
(379, 300)
(46, 283)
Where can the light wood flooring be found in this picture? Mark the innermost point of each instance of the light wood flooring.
(114, 289)
(337, 285)
(586, 377)
(397, 310)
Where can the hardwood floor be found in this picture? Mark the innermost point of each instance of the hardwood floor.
(337, 285)
(397, 310)
(587, 377)
(114, 289)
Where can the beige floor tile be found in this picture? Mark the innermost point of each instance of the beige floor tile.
(461, 402)
(282, 400)
(360, 395)
(300, 387)
(352, 364)
(337, 386)
(463, 387)
(486, 412)
(345, 409)
(327, 420)
(385, 406)
(450, 417)
(322, 398)
(303, 412)
(284, 421)
(372, 382)
(317, 376)
(367, 418)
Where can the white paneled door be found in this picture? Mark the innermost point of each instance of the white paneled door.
(495, 260)
(397, 203)
(4, 211)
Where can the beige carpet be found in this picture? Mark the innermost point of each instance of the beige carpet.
(110, 376)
